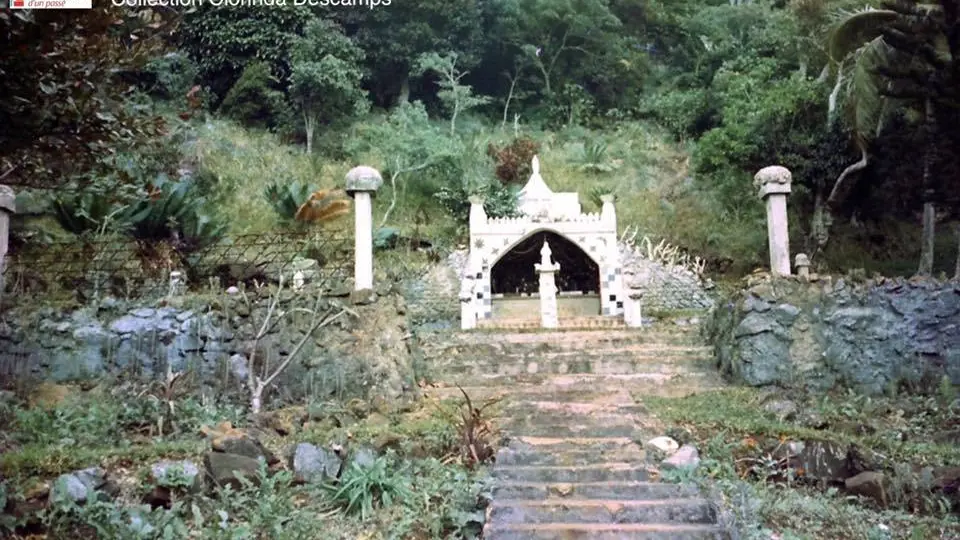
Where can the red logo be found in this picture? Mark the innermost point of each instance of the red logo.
(17, 3)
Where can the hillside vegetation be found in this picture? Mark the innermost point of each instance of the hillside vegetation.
(671, 105)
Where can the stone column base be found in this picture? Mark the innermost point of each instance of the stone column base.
(363, 296)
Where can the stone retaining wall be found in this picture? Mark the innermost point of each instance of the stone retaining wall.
(871, 336)
(212, 335)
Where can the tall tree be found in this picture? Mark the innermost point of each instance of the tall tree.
(64, 103)
(394, 37)
(556, 35)
(223, 41)
(325, 76)
(905, 55)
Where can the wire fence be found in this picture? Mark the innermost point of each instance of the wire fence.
(128, 268)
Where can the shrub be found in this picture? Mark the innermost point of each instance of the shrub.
(513, 161)
(366, 486)
(172, 212)
(253, 101)
(172, 75)
(286, 197)
(84, 212)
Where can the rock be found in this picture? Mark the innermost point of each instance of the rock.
(376, 419)
(823, 461)
(783, 409)
(78, 486)
(387, 441)
(686, 457)
(282, 421)
(225, 438)
(363, 458)
(130, 325)
(48, 395)
(223, 468)
(947, 479)
(246, 446)
(312, 464)
(755, 323)
(358, 407)
(238, 366)
(813, 420)
(870, 484)
(663, 444)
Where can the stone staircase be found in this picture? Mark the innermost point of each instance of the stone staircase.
(572, 413)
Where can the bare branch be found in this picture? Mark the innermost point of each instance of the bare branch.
(856, 167)
(296, 350)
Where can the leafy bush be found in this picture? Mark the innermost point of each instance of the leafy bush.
(172, 75)
(683, 112)
(571, 106)
(513, 161)
(254, 100)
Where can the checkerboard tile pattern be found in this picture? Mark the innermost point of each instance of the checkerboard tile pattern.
(595, 245)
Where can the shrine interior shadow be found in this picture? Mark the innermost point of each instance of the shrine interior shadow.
(515, 284)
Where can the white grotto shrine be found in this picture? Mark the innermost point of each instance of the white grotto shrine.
(552, 262)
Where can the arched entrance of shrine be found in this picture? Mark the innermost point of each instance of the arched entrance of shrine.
(514, 282)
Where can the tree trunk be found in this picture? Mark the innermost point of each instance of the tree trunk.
(929, 210)
(956, 270)
(453, 119)
(820, 223)
(506, 106)
(404, 96)
(309, 126)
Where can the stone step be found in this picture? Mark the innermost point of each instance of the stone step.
(658, 385)
(557, 342)
(602, 472)
(569, 458)
(542, 417)
(533, 429)
(534, 323)
(575, 381)
(592, 490)
(598, 366)
(673, 511)
(571, 407)
(571, 444)
(572, 338)
(545, 351)
(588, 531)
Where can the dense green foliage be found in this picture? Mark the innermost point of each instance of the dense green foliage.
(809, 84)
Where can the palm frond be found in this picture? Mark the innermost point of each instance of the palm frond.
(857, 28)
(321, 207)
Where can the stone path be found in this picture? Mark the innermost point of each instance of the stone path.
(571, 468)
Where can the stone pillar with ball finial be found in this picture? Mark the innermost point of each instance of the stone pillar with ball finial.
(8, 207)
(362, 184)
(774, 185)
